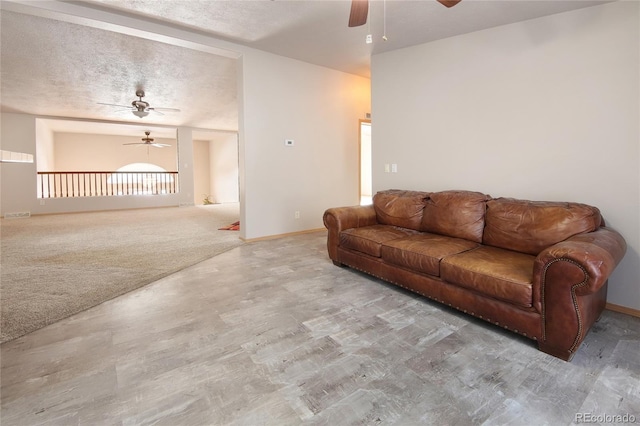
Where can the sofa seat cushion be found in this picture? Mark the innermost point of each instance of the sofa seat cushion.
(423, 252)
(502, 274)
(369, 239)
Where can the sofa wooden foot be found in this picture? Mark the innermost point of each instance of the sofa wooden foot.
(335, 262)
(563, 354)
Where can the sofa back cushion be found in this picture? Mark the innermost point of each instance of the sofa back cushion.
(458, 214)
(531, 226)
(400, 208)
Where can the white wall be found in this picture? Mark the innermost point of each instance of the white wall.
(319, 109)
(224, 168)
(45, 157)
(18, 133)
(185, 166)
(546, 109)
(201, 172)
(88, 152)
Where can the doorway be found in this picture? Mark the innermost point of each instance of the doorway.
(215, 167)
(366, 186)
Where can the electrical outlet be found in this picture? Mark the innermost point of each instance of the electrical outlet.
(297, 214)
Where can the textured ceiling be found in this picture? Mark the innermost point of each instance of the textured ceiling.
(316, 31)
(58, 68)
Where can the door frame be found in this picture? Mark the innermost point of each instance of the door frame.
(360, 123)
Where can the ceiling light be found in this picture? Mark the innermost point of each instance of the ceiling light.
(140, 113)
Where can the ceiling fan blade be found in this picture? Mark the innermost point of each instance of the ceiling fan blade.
(134, 143)
(115, 105)
(160, 145)
(449, 3)
(359, 12)
(165, 109)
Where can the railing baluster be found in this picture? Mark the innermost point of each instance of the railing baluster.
(104, 183)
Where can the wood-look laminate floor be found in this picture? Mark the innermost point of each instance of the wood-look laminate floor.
(273, 333)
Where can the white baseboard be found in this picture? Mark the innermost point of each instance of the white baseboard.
(623, 310)
(17, 215)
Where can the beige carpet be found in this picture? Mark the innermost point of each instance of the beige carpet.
(54, 266)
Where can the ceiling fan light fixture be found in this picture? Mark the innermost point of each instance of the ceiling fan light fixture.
(140, 113)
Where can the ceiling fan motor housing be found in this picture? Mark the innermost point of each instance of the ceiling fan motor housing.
(147, 139)
(140, 105)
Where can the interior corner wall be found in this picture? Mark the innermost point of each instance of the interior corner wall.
(223, 166)
(546, 109)
(45, 152)
(184, 135)
(201, 171)
(318, 108)
(18, 181)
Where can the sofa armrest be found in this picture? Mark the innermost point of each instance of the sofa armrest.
(338, 219)
(570, 287)
(596, 253)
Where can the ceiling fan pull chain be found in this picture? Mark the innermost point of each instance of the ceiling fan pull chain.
(369, 38)
(384, 20)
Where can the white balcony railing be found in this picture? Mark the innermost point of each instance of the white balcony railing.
(105, 184)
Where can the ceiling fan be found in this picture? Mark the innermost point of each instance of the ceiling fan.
(141, 108)
(360, 10)
(148, 142)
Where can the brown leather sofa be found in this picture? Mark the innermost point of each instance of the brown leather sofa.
(540, 269)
